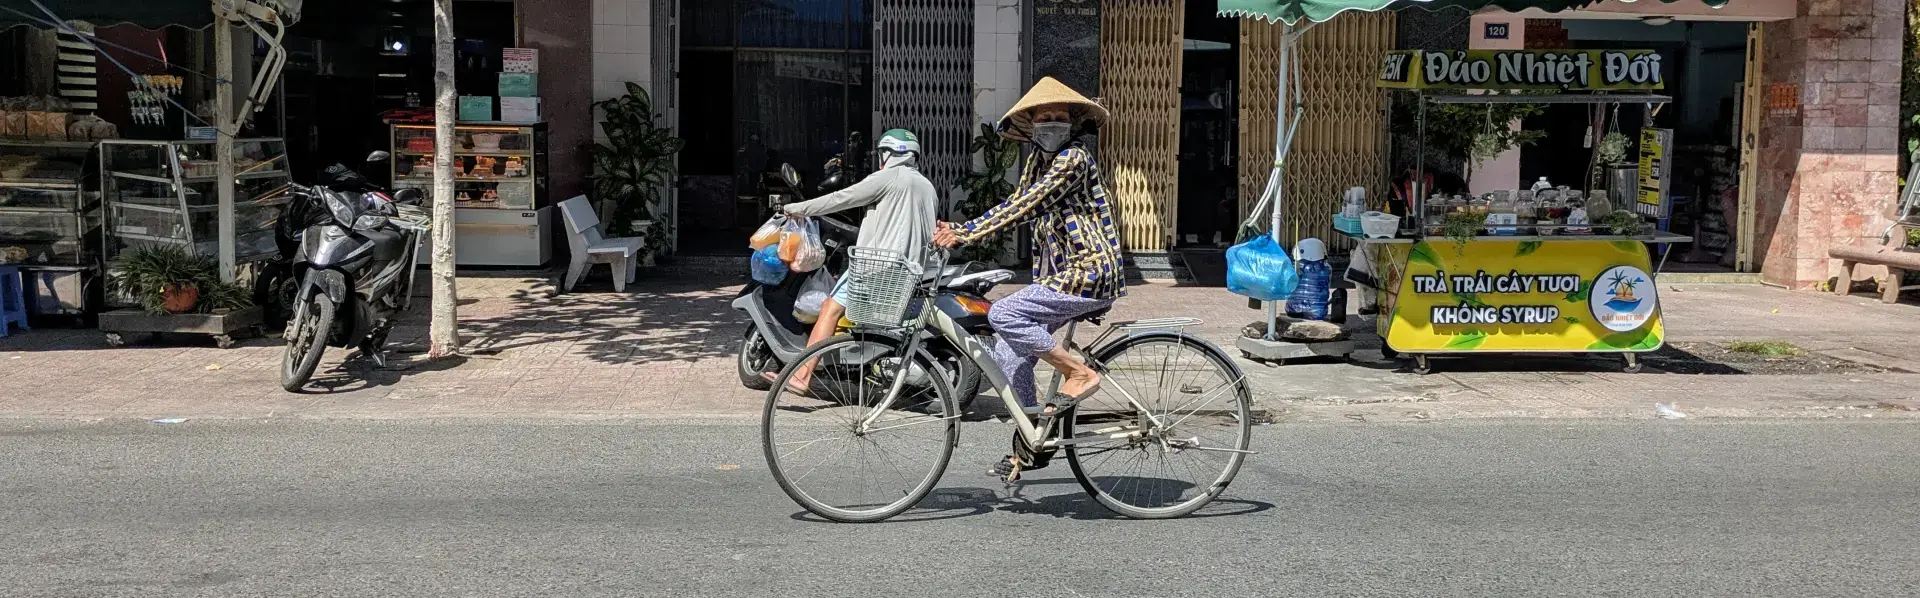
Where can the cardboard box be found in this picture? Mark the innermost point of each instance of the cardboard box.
(519, 60)
(476, 108)
(520, 110)
(519, 85)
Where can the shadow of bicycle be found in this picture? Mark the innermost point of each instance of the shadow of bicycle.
(957, 503)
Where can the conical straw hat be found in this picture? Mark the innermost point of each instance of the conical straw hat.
(1018, 123)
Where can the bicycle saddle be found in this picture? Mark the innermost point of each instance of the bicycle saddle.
(1094, 317)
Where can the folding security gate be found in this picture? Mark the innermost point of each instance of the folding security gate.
(923, 81)
(1140, 61)
(1343, 132)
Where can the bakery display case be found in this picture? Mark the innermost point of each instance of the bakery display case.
(50, 221)
(502, 215)
(166, 193)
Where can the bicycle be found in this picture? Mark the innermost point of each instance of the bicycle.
(1191, 416)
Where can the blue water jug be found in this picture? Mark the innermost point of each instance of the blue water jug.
(1309, 300)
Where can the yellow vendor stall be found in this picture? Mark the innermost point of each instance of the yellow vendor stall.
(1551, 269)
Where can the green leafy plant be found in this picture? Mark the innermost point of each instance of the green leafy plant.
(1624, 223)
(1462, 227)
(1477, 132)
(1913, 238)
(146, 274)
(632, 169)
(1613, 148)
(987, 186)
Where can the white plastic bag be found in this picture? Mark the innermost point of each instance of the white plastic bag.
(811, 254)
(813, 294)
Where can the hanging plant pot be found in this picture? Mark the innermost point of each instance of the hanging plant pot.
(179, 298)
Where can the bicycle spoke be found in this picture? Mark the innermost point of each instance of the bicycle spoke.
(1194, 404)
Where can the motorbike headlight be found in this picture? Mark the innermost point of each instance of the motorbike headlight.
(369, 222)
(342, 212)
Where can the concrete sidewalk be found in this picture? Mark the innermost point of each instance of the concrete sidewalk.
(667, 349)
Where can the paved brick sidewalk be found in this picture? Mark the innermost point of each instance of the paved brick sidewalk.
(666, 351)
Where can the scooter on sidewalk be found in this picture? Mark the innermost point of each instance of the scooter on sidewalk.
(776, 337)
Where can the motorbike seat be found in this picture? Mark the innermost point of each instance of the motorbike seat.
(387, 244)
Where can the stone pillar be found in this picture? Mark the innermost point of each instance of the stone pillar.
(1828, 165)
(563, 32)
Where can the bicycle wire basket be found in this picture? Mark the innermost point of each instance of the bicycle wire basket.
(880, 284)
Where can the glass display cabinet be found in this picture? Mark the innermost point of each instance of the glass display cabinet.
(166, 193)
(502, 216)
(50, 222)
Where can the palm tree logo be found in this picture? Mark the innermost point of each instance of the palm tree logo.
(1622, 285)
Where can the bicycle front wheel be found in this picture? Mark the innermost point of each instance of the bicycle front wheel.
(1167, 430)
(843, 455)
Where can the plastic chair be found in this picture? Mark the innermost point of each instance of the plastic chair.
(589, 247)
(13, 301)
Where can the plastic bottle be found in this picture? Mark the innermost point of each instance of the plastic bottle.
(1310, 299)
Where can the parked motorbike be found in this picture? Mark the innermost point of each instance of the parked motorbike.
(776, 337)
(354, 263)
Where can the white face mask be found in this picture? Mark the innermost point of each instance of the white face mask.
(1052, 136)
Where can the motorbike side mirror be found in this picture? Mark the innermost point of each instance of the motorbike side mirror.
(409, 196)
(791, 176)
(379, 156)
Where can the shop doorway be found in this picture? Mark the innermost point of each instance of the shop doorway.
(1208, 203)
(765, 83)
(1706, 71)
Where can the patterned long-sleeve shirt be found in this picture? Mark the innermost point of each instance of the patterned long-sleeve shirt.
(1076, 245)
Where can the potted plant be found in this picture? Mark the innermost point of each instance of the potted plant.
(1476, 132)
(986, 187)
(170, 280)
(632, 169)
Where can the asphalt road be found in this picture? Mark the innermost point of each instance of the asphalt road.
(464, 508)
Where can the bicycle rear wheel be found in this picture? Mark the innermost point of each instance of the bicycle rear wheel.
(833, 464)
(1182, 450)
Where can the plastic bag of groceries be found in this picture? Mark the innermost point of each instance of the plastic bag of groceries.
(813, 294)
(768, 233)
(767, 267)
(1260, 268)
(812, 253)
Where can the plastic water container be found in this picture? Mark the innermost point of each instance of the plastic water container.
(1310, 299)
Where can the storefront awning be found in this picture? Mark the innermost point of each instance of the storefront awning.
(1295, 11)
(151, 14)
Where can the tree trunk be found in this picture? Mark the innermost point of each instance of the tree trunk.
(444, 334)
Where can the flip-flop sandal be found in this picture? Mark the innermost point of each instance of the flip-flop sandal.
(805, 393)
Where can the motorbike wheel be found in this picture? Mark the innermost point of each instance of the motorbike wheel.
(753, 359)
(306, 341)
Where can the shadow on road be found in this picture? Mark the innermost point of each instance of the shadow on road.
(956, 503)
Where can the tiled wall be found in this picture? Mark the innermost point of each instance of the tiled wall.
(1828, 168)
(622, 50)
(997, 76)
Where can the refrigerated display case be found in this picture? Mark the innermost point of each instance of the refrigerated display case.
(502, 216)
(50, 222)
(165, 193)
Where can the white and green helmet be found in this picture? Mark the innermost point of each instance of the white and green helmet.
(900, 141)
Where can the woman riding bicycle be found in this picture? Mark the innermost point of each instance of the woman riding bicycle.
(1076, 248)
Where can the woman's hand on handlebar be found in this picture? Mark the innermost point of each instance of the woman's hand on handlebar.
(945, 237)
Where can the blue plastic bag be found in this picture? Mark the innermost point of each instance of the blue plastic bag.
(1261, 269)
(766, 265)
(1310, 299)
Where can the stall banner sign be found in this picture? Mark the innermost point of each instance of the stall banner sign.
(1571, 70)
(1656, 163)
(1519, 296)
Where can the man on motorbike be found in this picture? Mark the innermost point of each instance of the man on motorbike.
(1076, 248)
(902, 222)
